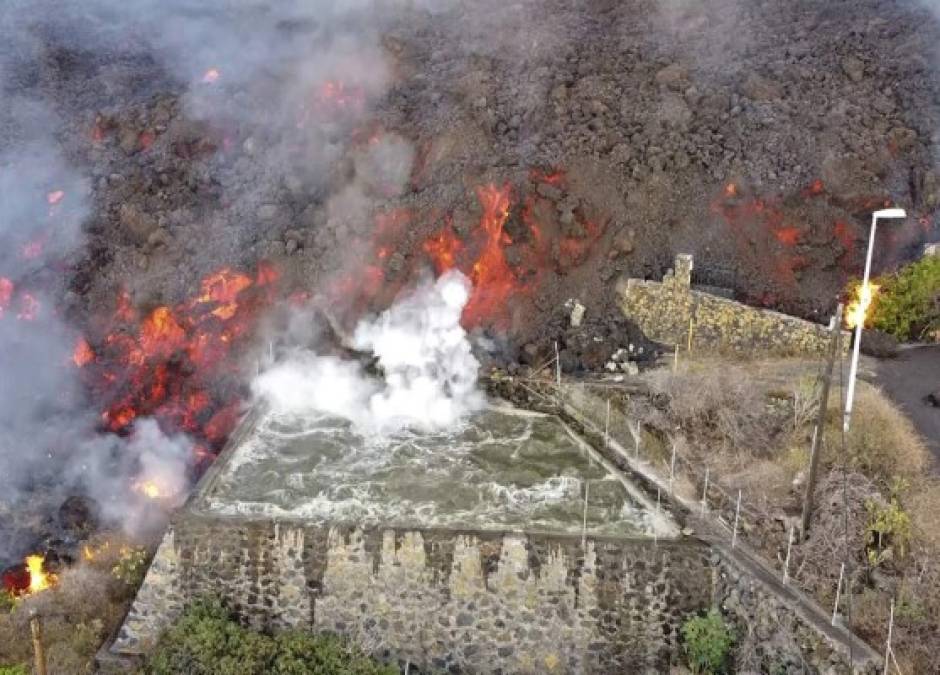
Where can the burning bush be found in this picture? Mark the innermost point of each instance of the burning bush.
(906, 304)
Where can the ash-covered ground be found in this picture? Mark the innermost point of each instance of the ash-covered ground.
(545, 148)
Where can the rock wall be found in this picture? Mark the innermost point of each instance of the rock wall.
(465, 601)
(670, 310)
(475, 602)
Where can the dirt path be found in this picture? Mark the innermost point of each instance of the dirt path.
(907, 380)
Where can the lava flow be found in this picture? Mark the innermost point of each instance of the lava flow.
(178, 364)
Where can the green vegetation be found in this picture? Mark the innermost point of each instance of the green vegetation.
(207, 640)
(888, 535)
(131, 567)
(908, 302)
(708, 641)
(14, 670)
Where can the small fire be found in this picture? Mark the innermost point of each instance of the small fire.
(39, 579)
(857, 311)
(731, 190)
(83, 354)
(149, 489)
(55, 197)
(211, 76)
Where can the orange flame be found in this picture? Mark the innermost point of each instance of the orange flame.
(149, 489)
(857, 311)
(211, 76)
(39, 579)
(55, 197)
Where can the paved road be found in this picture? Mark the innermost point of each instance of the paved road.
(907, 380)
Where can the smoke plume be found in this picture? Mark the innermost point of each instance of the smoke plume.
(428, 374)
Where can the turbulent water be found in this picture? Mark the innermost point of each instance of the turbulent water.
(501, 469)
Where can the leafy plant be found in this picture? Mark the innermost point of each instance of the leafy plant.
(207, 640)
(18, 669)
(889, 531)
(707, 641)
(131, 567)
(908, 302)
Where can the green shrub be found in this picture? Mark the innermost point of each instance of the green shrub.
(708, 641)
(14, 670)
(207, 640)
(888, 534)
(908, 303)
(131, 567)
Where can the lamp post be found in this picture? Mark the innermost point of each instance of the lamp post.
(864, 299)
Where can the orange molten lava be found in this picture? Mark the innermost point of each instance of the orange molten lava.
(443, 249)
(39, 579)
(83, 354)
(179, 363)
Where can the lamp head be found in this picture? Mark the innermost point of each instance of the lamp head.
(890, 213)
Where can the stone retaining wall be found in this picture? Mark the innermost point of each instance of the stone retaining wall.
(463, 601)
(667, 311)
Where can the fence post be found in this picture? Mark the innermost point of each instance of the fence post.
(636, 440)
(786, 563)
(557, 366)
(39, 652)
(587, 487)
(705, 492)
(890, 633)
(816, 449)
(737, 516)
(835, 608)
(607, 427)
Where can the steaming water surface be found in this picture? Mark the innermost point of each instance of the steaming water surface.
(500, 469)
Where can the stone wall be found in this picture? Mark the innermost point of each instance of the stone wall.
(464, 601)
(666, 312)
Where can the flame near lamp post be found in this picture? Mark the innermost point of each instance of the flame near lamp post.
(865, 296)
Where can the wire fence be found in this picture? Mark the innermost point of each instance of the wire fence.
(701, 492)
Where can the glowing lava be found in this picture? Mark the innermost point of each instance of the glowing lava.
(178, 363)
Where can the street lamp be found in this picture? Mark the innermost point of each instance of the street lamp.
(864, 293)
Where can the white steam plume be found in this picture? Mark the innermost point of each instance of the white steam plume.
(430, 374)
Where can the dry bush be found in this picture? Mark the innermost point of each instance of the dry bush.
(77, 614)
(816, 561)
(717, 403)
(881, 442)
(924, 507)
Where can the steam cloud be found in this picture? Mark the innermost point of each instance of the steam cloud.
(429, 372)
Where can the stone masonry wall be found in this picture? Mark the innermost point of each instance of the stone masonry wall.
(459, 601)
(665, 310)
